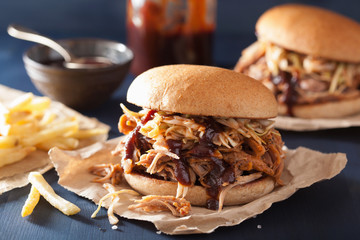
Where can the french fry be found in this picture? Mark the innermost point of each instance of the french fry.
(31, 202)
(20, 102)
(47, 118)
(88, 133)
(19, 117)
(61, 142)
(12, 155)
(62, 129)
(38, 105)
(22, 129)
(8, 141)
(3, 110)
(4, 129)
(66, 207)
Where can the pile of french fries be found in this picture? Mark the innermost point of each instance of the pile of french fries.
(28, 124)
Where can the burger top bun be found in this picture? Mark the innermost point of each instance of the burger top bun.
(312, 31)
(202, 90)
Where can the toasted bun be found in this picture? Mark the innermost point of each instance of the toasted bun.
(196, 195)
(202, 90)
(312, 31)
(336, 109)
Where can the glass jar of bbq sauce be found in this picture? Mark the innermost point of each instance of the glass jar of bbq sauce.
(162, 32)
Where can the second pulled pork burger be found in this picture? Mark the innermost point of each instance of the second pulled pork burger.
(203, 134)
(310, 58)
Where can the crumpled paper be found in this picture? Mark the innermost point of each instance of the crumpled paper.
(15, 175)
(302, 124)
(303, 167)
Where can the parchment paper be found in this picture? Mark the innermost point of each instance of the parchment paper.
(15, 175)
(303, 167)
(301, 124)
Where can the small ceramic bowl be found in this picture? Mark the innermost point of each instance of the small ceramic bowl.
(78, 88)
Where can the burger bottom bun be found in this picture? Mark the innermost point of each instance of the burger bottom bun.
(196, 194)
(333, 109)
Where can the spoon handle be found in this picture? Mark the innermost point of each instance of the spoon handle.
(30, 35)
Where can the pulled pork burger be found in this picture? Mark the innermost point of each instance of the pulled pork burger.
(310, 58)
(203, 135)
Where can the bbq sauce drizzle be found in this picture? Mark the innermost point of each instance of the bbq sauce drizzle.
(221, 171)
(181, 170)
(290, 81)
(134, 140)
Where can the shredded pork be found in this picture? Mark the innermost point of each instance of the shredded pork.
(107, 173)
(241, 180)
(238, 147)
(318, 79)
(153, 203)
(115, 198)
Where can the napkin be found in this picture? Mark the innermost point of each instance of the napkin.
(303, 167)
(15, 175)
(302, 124)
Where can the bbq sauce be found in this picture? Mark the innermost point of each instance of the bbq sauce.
(162, 33)
(157, 49)
(182, 169)
(133, 140)
(221, 171)
(54, 63)
(130, 142)
(289, 81)
(60, 63)
(204, 148)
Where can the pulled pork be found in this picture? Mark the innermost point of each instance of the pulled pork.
(153, 203)
(195, 150)
(297, 78)
(107, 172)
(115, 198)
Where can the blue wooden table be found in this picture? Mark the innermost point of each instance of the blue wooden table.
(326, 210)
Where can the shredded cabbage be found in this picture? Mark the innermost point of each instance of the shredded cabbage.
(339, 74)
(337, 78)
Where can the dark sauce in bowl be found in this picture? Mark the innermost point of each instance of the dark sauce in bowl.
(91, 61)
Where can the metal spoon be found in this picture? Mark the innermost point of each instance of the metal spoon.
(70, 60)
